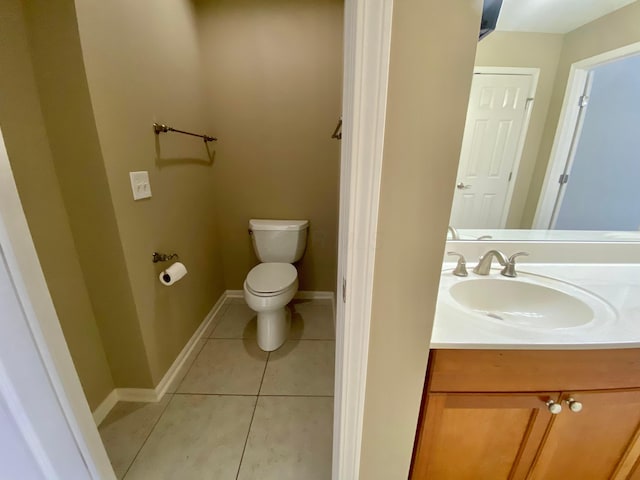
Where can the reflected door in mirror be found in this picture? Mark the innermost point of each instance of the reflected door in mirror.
(492, 140)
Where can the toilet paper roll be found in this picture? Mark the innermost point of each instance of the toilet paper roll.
(172, 274)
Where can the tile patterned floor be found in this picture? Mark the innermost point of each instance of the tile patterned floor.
(235, 412)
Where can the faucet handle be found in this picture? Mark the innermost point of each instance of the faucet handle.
(512, 258)
(461, 267)
(509, 269)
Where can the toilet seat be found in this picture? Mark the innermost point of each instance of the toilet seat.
(271, 278)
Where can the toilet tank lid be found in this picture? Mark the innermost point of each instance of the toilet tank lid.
(255, 224)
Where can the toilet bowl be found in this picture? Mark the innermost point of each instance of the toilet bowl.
(268, 289)
(272, 284)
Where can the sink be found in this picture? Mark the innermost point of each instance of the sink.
(522, 303)
(527, 302)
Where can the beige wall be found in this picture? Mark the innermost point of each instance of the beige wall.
(27, 144)
(142, 64)
(103, 73)
(428, 95)
(66, 106)
(273, 83)
(535, 50)
(612, 31)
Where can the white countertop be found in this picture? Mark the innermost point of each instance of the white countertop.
(546, 235)
(616, 284)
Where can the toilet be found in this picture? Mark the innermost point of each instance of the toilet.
(272, 284)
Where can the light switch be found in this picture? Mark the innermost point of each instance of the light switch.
(140, 185)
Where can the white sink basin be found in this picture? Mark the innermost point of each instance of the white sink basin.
(522, 303)
(529, 301)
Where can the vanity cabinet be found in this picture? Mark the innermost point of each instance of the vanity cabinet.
(490, 414)
(601, 441)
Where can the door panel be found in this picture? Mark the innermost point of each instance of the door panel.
(629, 467)
(480, 436)
(495, 118)
(489, 452)
(596, 443)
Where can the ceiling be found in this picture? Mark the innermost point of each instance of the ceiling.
(553, 16)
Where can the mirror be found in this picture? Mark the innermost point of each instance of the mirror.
(551, 143)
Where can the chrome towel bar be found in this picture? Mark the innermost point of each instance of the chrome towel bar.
(159, 128)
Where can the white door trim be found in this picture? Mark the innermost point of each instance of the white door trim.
(567, 123)
(584, 82)
(366, 69)
(535, 76)
(48, 340)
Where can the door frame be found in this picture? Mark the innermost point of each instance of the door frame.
(48, 351)
(568, 123)
(367, 41)
(367, 46)
(534, 73)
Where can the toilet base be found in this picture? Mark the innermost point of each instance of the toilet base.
(273, 328)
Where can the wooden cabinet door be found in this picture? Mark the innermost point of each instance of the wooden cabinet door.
(600, 442)
(480, 436)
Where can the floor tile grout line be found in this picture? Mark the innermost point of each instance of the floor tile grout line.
(147, 437)
(205, 340)
(220, 317)
(172, 395)
(311, 395)
(252, 395)
(189, 369)
(286, 341)
(222, 313)
(264, 372)
(218, 320)
(246, 440)
(255, 406)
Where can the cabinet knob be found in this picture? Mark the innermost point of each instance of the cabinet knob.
(574, 405)
(554, 408)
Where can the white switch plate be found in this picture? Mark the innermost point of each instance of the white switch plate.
(140, 185)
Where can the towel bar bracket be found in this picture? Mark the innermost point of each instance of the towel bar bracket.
(337, 133)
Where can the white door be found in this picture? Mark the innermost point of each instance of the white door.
(47, 430)
(492, 137)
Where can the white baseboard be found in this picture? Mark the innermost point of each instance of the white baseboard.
(105, 407)
(148, 395)
(314, 295)
(182, 357)
(151, 395)
(155, 394)
(301, 295)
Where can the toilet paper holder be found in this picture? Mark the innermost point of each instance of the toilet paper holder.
(163, 257)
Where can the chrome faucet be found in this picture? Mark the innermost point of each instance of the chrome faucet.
(454, 233)
(484, 263)
(509, 264)
(509, 269)
(461, 267)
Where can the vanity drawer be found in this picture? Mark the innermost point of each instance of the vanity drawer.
(533, 370)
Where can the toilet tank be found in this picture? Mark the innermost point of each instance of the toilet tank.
(279, 240)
